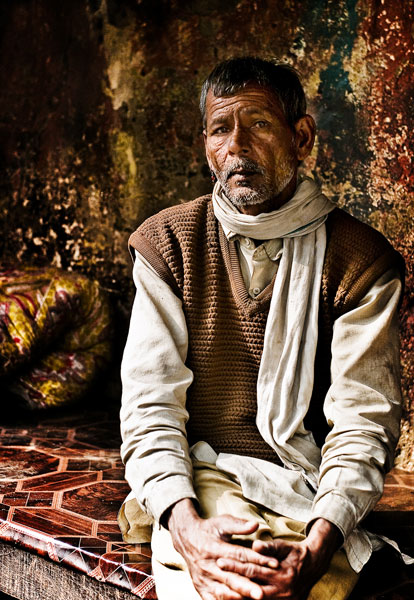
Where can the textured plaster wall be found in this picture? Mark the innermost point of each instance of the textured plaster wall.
(99, 125)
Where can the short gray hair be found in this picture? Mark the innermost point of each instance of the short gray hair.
(231, 76)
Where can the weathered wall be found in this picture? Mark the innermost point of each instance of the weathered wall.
(99, 125)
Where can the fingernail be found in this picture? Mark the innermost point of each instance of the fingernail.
(257, 594)
(273, 564)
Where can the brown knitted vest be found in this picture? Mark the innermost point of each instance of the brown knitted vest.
(187, 247)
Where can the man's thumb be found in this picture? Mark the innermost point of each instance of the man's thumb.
(228, 526)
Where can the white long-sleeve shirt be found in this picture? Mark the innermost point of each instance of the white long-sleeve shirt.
(362, 404)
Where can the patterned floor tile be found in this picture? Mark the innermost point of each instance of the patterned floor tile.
(116, 576)
(110, 527)
(62, 484)
(114, 474)
(102, 500)
(48, 433)
(15, 440)
(128, 558)
(59, 481)
(111, 537)
(405, 479)
(89, 465)
(82, 560)
(396, 498)
(39, 499)
(52, 522)
(16, 499)
(7, 486)
(4, 512)
(86, 543)
(25, 463)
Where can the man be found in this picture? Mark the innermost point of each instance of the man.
(261, 395)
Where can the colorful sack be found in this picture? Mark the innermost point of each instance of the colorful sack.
(54, 334)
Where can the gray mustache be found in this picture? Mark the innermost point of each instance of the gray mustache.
(246, 164)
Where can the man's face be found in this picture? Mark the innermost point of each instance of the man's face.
(249, 145)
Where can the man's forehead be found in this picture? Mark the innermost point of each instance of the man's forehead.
(251, 98)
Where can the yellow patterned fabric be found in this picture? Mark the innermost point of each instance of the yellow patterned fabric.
(54, 334)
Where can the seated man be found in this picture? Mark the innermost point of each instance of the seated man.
(261, 397)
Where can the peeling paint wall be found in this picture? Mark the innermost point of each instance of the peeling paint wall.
(99, 125)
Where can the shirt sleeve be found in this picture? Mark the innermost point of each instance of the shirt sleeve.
(154, 381)
(363, 407)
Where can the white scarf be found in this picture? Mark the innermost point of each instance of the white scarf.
(285, 380)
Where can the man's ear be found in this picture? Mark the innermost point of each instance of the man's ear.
(304, 136)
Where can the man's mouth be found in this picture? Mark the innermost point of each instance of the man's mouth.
(244, 173)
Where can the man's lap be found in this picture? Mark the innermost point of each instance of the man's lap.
(218, 494)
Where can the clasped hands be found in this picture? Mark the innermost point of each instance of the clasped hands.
(221, 570)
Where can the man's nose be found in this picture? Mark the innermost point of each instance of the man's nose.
(239, 142)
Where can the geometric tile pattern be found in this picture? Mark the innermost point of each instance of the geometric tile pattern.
(398, 493)
(386, 577)
(61, 486)
(62, 483)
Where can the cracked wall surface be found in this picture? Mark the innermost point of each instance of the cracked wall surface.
(99, 125)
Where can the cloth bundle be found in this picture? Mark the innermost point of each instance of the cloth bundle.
(54, 335)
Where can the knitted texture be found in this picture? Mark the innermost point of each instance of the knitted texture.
(187, 247)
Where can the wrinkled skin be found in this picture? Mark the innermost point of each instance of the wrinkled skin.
(251, 127)
(221, 570)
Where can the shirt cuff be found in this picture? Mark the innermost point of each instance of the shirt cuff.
(167, 492)
(336, 509)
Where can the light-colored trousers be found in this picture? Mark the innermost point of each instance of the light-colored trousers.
(218, 495)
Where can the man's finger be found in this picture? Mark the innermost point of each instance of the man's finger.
(277, 548)
(240, 584)
(228, 526)
(251, 571)
(222, 592)
(247, 555)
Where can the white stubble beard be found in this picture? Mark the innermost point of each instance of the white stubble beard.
(245, 195)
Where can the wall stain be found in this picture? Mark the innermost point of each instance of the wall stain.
(99, 123)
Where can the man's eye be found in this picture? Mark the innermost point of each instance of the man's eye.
(260, 124)
(220, 130)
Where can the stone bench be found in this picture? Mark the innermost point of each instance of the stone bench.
(61, 485)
